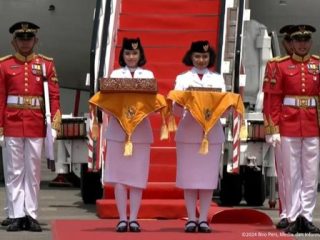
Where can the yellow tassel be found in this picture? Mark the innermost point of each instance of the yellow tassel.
(204, 149)
(95, 129)
(128, 147)
(164, 133)
(172, 126)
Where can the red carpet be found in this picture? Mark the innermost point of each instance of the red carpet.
(160, 230)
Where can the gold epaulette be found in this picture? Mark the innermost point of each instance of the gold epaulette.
(45, 57)
(280, 59)
(316, 56)
(5, 57)
(273, 59)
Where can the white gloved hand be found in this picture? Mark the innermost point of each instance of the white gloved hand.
(54, 134)
(268, 139)
(2, 141)
(273, 139)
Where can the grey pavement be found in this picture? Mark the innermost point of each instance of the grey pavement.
(66, 203)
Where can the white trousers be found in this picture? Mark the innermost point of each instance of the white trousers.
(281, 184)
(22, 164)
(300, 158)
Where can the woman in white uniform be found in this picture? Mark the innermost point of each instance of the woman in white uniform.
(128, 173)
(197, 174)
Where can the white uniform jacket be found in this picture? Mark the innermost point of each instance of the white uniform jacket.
(143, 132)
(189, 130)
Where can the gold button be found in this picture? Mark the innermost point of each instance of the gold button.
(303, 79)
(26, 79)
(303, 90)
(303, 84)
(26, 84)
(303, 74)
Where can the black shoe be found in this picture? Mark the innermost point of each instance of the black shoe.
(191, 226)
(293, 228)
(308, 227)
(6, 222)
(134, 226)
(16, 225)
(122, 228)
(283, 223)
(32, 225)
(203, 227)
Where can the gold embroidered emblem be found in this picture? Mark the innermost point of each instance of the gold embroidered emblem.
(129, 112)
(24, 27)
(134, 46)
(207, 114)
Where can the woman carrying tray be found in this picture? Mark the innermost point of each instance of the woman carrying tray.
(128, 173)
(198, 173)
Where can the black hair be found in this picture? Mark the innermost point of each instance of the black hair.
(187, 60)
(142, 60)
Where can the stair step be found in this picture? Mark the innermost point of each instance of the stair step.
(170, 6)
(170, 22)
(154, 190)
(163, 156)
(167, 38)
(150, 208)
(163, 173)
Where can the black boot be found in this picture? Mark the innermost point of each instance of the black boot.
(32, 225)
(16, 224)
(308, 227)
(6, 222)
(283, 223)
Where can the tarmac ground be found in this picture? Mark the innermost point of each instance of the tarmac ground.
(66, 203)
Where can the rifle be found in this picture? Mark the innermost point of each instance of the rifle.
(49, 138)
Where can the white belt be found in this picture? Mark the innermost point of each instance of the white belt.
(32, 101)
(298, 101)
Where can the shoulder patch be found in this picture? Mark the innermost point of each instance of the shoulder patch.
(45, 57)
(5, 57)
(316, 56)
(280, 59)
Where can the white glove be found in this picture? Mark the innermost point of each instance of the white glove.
(273, 139)
(2, 141)
(268, 139)
(54, 134)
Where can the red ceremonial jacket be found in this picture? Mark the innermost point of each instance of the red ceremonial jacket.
(21, 80)
(269, 80)
(296, 78)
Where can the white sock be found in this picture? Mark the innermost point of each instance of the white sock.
(120, 193)
(135, 202)
(205, 197)
(190, 197)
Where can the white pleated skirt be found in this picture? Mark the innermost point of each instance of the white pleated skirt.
(129, 170)
(197, 171)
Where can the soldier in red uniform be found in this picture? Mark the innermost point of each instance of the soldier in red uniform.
(269, 81)
(22, 123)
(293, 121)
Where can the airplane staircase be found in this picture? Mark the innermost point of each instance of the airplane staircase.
(166, 29)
